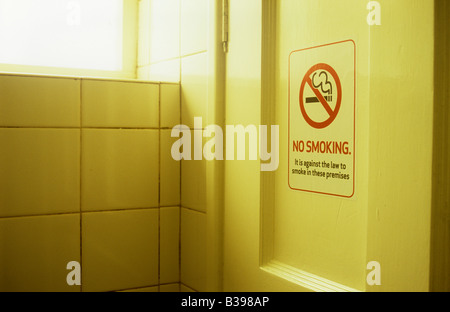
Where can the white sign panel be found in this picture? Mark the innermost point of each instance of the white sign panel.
(322, 119)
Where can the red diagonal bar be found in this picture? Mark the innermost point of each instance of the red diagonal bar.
(321, 98)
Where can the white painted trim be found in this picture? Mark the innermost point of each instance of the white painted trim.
(305, 279)
(215, 170)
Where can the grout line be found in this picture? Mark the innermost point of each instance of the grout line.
(161, 61)
(39, 127)
(137, 33)
(173, 58)
(162, 82)
(33, 75)
(179, 36)
(193, 209)
(120, 210)
(179, 244)
(121, 128)
(183, 284)
(180, 121)
(81, 128)
(151, 286)
(159, 190)
(168, 128)
(159, 248)
(169, 206)
(80, 77)
(193, 54)
(82, 212)
(40, 215)
(121, 80)
(168, 284)
(81, 189)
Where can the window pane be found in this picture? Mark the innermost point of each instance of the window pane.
(83, 34)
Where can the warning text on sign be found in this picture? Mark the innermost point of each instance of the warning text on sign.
(321, 169)
(321, 147)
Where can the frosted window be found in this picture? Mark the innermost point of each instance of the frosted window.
(82, 34)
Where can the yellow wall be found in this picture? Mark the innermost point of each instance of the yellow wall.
(400, 144)
(86, 175)
(323, 235)
(388, 220)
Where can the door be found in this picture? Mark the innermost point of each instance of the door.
(372, 234)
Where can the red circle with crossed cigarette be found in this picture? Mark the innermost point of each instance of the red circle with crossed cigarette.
(323, 94)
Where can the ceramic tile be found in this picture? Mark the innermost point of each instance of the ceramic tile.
(169, 288)
(169, 245)
(194, 89)
(194, 26)
(184, 288)
(165, 23)
(144, 33)
(193, 249)
(39, 171)
(146, 289)
(193, 184)
(35, 251)
(170, 172)
(120, 104)
(120, 250)
(39, 101)
(167, 71)
(120, 169)
(170, 105)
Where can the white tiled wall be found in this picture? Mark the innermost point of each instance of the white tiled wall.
(119, 169)
(194, 26)
(193, 185)
(120, 250)
(39, 171)
(170, 105)
(164, 30)
(169, 71)
(170, 172)
(194, 81)
(176, 48)
(39, 102)
(86, 172)
(80, 172)
(193, 249)
(109, 104)
(170, 247)
(34, 252)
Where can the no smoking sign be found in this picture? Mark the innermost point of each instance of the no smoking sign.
(321, 119)
(324, 82)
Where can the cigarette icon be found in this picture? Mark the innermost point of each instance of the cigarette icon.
(316, 100)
